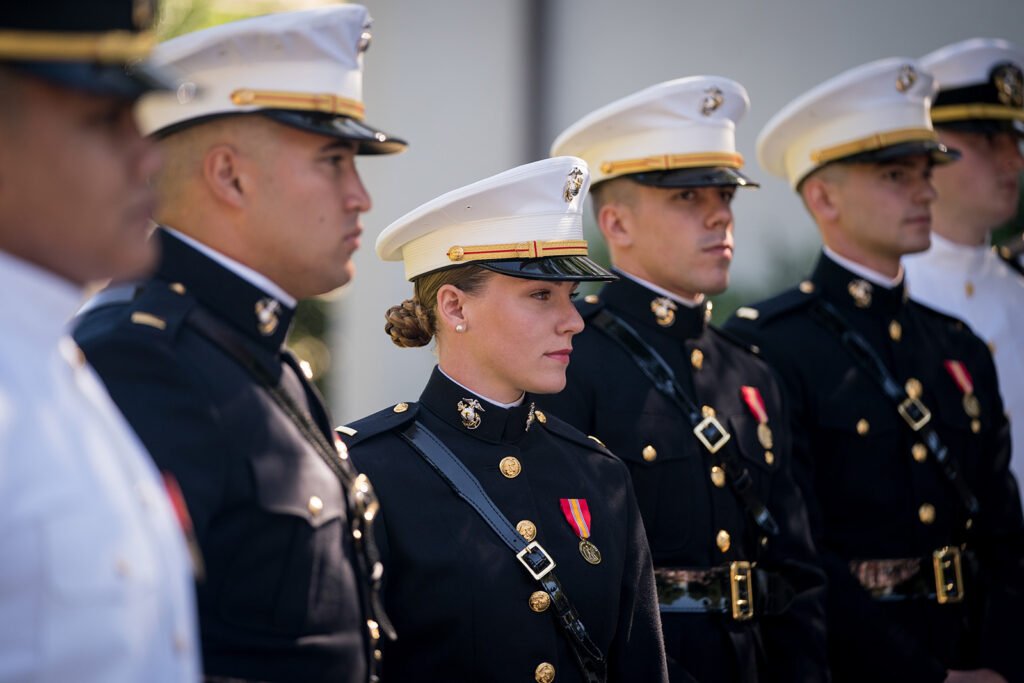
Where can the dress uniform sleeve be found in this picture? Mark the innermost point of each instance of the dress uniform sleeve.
(998, 541)
(797, 638)
(166, 405)
(638, 650)
(853, 618)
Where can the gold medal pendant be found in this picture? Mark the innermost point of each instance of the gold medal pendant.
(764, 434)
(972, 406)
(590, 552)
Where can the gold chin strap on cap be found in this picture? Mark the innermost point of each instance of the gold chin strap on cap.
(668, 162)
(112, 47)
(278, 99)
(964, 112)
(876, 141)
(534, 249)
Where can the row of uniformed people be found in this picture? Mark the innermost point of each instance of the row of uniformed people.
(485, 497)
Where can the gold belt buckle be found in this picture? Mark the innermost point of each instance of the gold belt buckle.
(949, 578)
(536, 547)
(710, 424)
(914, 412)
(741, 588)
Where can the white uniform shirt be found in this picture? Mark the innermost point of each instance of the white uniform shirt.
(975, 285)
(95, 584)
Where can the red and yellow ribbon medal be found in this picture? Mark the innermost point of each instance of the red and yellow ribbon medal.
(578, 515)
(753, 399)
(185, 520)
(963, 380)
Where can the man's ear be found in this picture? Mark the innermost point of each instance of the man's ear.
(222, 172)
(821, 198)
(615, 219)
(450, 313)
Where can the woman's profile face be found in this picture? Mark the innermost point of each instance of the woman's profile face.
(518, 335)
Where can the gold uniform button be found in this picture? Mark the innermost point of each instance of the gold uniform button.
(378, 655)
(913, 387)
(177, 288)
(707, 411)
(541, 417)
(544, 673)
(723, 540)
(926, 513)
(401, 407)
(374, 628)
(975, 426)
(718, 476)
(895, 330)
(527, 529)
(769, 457)
(510, 467)
(806, 286)
(697, 359)
(316, 505)
(919, 452)
(863, 427)
(539, 601)
(649, 453)
(591, 298)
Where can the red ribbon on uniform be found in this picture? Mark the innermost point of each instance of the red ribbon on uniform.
(960, 376)
(577, 514)
(753, 399)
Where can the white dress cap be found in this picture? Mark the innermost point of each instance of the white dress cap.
(301, 68)
(979, 81)
(874, 111)
(526, 222)
(687, 123)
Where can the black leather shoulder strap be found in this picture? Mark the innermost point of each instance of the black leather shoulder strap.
(532, 555)
(707, 429)
(913, 412)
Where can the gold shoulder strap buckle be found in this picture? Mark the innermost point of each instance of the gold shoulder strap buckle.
(711, 433)
(741, 588)
(914, 412)
(949, 578)
(544, 570)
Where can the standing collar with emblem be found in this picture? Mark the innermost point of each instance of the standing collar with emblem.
(494, 424)
(845, 288)
(632, 300)
(261, 317)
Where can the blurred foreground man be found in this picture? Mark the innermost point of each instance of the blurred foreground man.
(260, 207)
(980, 111)
(94, 577)
(901, 444)
(698, 418)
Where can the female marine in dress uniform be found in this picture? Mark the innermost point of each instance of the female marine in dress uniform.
(511, 543)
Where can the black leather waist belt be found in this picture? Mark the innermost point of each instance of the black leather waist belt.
(740, 590)
(938, 577)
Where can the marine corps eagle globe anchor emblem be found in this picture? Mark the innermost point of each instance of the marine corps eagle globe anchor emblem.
(467, 411)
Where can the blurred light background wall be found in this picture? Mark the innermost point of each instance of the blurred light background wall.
(479, 86)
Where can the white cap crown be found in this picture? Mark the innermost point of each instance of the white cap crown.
(683, 123)
(869, 107)
(308, 61)
(528, 212)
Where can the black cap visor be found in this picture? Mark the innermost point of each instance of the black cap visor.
(984, 126)
(115, 80)
(939, 153)
(572, 268)
(704, 176)
(370, 139)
